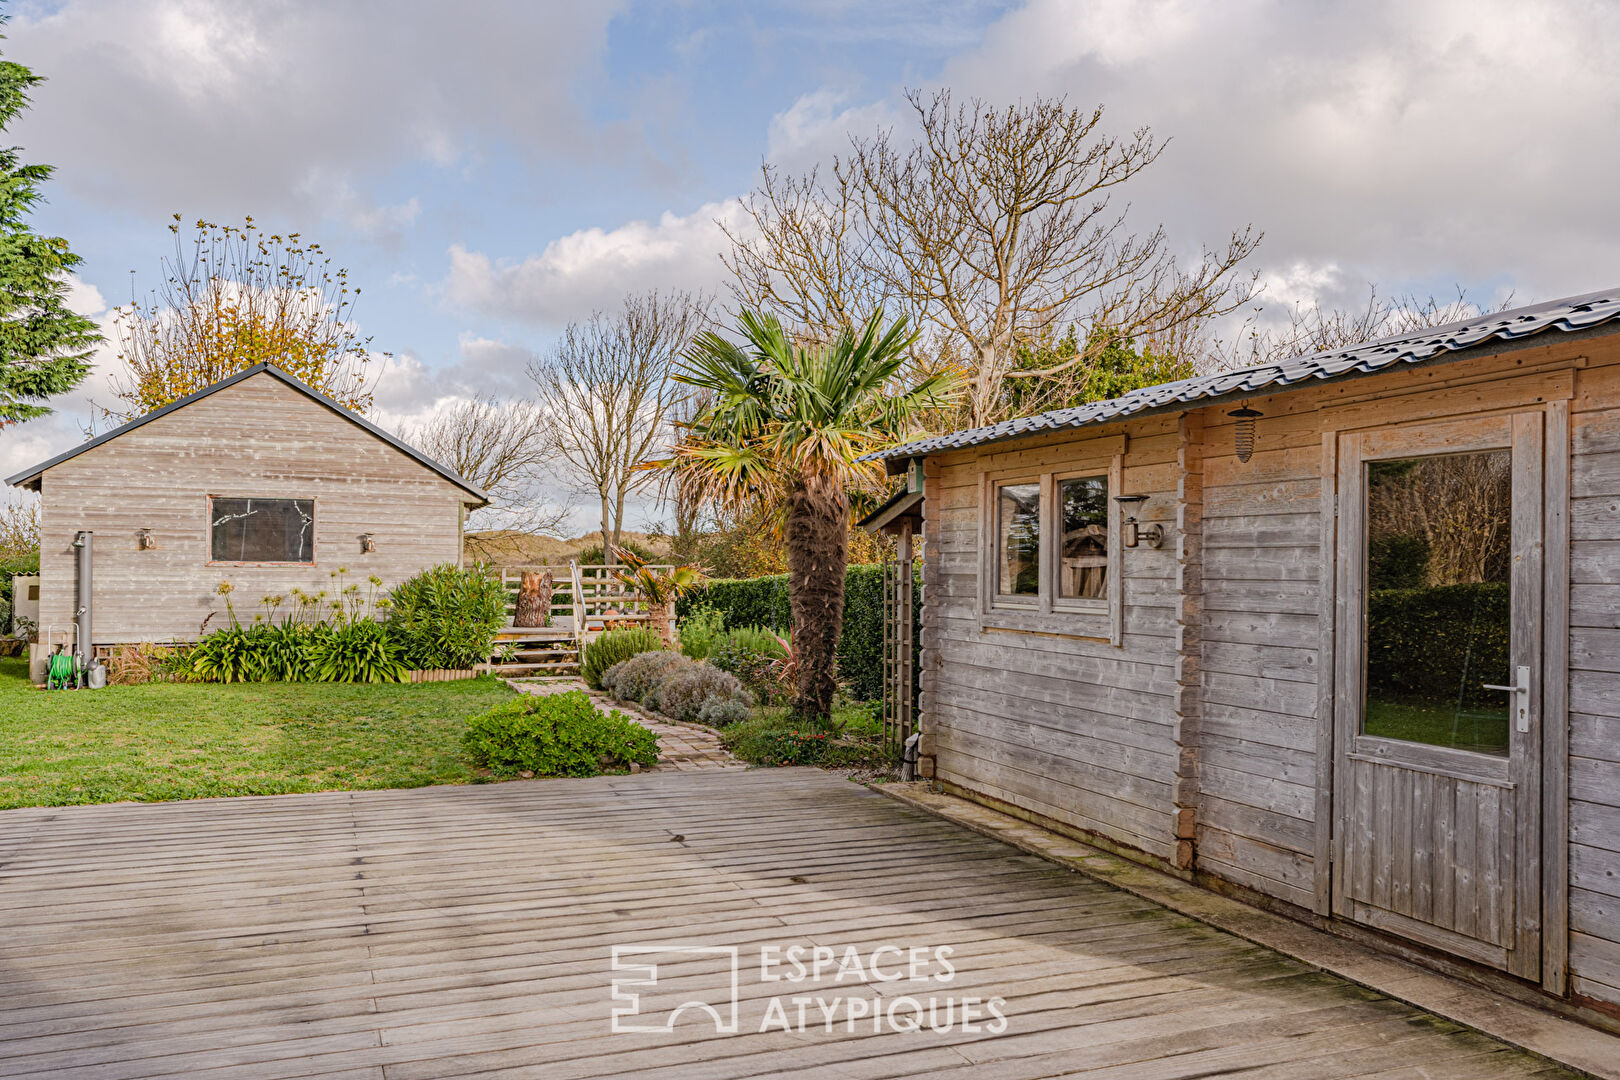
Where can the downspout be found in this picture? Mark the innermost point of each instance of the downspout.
(84, 613)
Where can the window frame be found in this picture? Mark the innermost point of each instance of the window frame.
(1046, 612)
(208, 529)
(1087, 604)
(1019, 601)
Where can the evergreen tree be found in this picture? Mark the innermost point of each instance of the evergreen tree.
(45, 348)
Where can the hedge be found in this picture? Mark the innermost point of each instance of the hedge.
(764, 601)
(1432, 644)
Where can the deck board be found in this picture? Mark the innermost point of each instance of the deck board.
(466, 931)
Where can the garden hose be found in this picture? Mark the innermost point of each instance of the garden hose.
(60, 673)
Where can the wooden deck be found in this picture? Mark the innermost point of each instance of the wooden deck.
(462, 931)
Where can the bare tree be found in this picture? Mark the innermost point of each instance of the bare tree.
(19, 528)
(997, 222)
(993, 225)
(1313, 329)
(606, 394)
(502, 447)
(805, 256)
(231, 298)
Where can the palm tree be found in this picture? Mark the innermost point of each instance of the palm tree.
(787, 426)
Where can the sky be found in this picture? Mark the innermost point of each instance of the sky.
(489, 170)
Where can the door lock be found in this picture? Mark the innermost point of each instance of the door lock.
(1521, 698)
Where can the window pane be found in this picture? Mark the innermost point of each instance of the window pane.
(1083, 569)
(263, 530)
(1019, 521)
(1439, 604)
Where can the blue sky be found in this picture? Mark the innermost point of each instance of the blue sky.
(490, 170)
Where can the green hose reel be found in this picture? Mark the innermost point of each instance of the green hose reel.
(62, 672)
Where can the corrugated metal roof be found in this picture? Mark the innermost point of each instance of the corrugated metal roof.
(1567, 315)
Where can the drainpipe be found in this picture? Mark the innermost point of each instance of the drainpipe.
(83, 614)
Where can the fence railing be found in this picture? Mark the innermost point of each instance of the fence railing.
(584, 595)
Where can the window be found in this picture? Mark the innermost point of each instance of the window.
(1018, 547)
(1083, 542)
(262, 530)
(1048, 543)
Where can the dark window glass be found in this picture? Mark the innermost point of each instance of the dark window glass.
(1019, 542)
(1083, 572)
(1439, 604)
(263, 530)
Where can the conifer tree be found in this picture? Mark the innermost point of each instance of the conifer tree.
(45, 347)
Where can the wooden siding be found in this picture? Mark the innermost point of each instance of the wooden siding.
(1067, 726)
(1594, 680)
(258, 438)
(1086, 735)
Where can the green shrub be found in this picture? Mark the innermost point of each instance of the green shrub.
(1438, 644)
(637, 678)
(700, 629)
(684, 691)
(558, 735)
(592, 556)
(764, 602)
(761, 601)
(283, 652)
(447, 617)
(755, 655)
(613, 647)
(720, 713)
(228, 655)
(356, 652)
(1398, 562)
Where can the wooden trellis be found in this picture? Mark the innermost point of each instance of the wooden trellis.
(899, 646)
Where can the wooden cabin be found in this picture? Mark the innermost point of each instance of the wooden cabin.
(1340, 636)
(257, 480)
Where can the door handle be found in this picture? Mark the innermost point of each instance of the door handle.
(1521, 698)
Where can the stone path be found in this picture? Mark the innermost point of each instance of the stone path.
(681, 747)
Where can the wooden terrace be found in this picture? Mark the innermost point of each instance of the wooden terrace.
(467, 931)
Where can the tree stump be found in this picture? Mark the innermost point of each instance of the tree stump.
(534, 599)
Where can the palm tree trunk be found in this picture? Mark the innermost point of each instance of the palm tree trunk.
(818, 555)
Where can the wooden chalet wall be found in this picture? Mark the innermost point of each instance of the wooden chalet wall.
(1211, 704)
(258, 438)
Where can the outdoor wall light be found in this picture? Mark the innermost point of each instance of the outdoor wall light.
(1133, 533)
(144, 540)
(368, 544)
(1243, 436)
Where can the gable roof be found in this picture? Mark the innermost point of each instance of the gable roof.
(30, 477)
(1587, 312)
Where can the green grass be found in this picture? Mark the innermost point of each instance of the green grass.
(189, 741)
(858, 743)
(1437, 725)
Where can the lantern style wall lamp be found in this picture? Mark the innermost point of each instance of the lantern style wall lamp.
(144, 540)
(368, 544)
(1243, 434)
(1133, 534)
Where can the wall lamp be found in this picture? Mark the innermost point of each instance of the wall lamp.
(1134, 533)
(144, 540)
(368, 544)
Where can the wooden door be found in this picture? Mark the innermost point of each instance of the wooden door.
(1437, 773)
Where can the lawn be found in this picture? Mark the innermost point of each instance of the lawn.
(187, 741)
(1438, 725)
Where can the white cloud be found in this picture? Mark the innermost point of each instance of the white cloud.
(593, 268)
(816, 127)
(1416, 144)
(236, 106)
